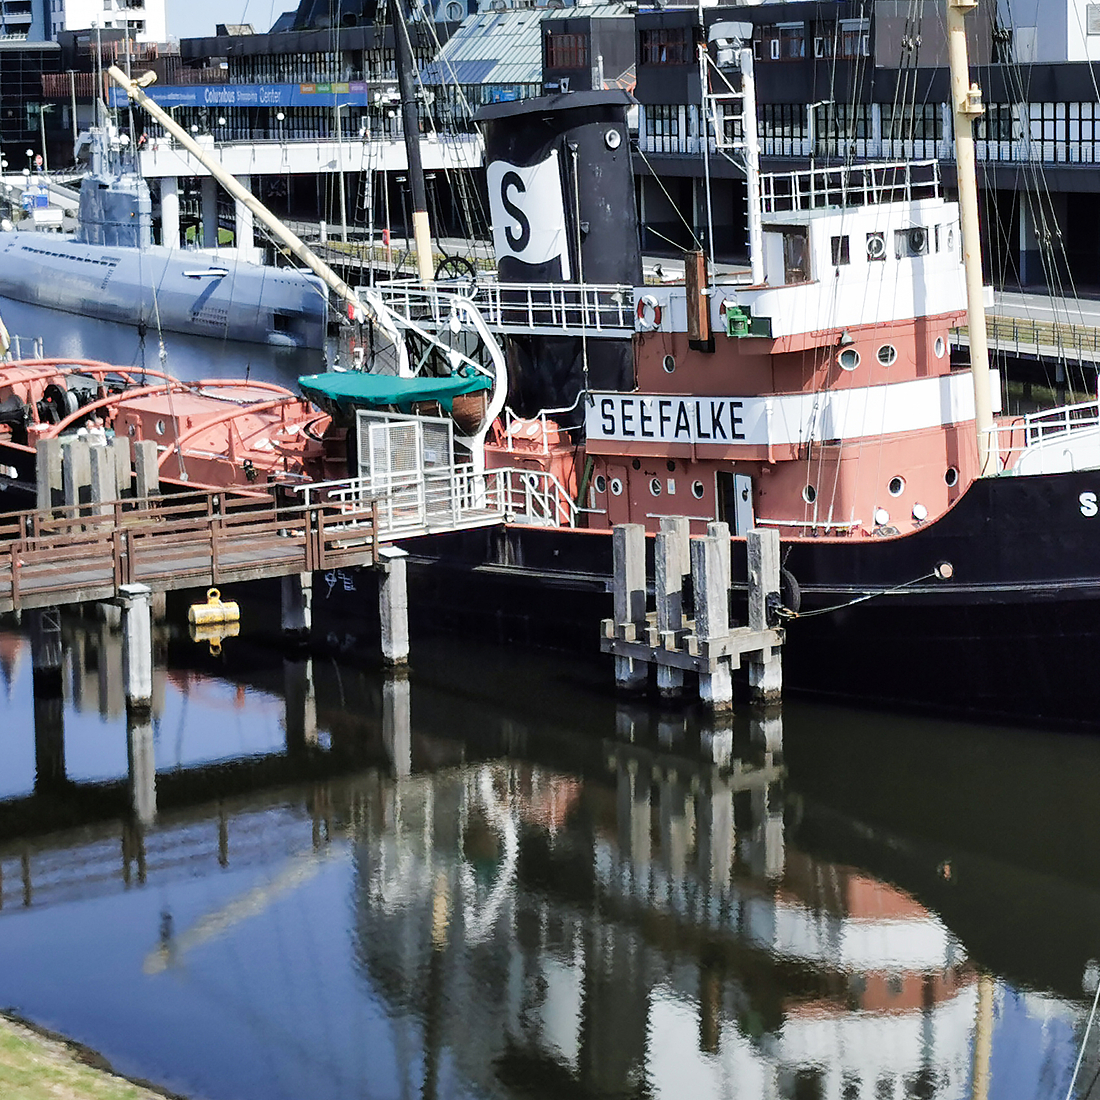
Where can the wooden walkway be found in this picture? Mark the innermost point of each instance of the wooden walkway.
(191, 540)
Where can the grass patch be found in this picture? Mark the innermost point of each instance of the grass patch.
(37, 1066)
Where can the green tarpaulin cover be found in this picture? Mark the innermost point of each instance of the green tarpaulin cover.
(347, 391)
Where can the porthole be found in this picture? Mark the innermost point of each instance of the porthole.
(636, 464)
(601, 483)
(940, 347)
(613, 139)
(616, 487)
(809, 494)
(655, 486)
(697, 490)
(848, 359)
(669, 363)
(159, 427)
(887, 355)
(920, 513)
(896, 486)
(671, 466)
(131, 429)
(951, 240)
(882, 517)
(951, 477)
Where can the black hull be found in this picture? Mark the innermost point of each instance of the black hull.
(1013, 634)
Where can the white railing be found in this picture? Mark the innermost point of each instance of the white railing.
(598, 309)
(1050, 440)
(850, 185)
(537, 497)
(451, 499)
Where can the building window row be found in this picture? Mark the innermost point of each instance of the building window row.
(664, 46)
(566, 51)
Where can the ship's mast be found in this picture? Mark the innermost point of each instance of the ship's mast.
(966, 102)
(410, 119)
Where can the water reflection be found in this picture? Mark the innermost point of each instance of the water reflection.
(349, 884)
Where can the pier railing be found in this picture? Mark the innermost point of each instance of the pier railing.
(88, 551)
(430, 501)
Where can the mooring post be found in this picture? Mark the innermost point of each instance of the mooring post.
(393, 604)
(297, 606)
(137, 645)
(672, 560)
(48, 475)
(146, 472)
(137, 672)
(628, 587)
(712, 618)
(397, 721)
(49, 705)
(103, 476)
(766, 669)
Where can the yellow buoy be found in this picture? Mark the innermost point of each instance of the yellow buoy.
(214, 610)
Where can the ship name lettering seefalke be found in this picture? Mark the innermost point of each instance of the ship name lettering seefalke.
(1088, 504)
(671, 419)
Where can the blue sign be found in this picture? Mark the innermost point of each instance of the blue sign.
(356, 92)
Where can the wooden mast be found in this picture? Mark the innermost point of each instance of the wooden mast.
(410, 119)
(966, 103)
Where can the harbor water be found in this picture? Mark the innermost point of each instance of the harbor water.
(490, 878)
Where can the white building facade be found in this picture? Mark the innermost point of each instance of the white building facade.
(145, 19)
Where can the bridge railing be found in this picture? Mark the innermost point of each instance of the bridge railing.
(1026, 336)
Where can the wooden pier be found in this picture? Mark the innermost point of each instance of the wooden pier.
(86, 552)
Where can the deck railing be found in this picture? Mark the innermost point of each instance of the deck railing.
(601, 309)
(850, 185)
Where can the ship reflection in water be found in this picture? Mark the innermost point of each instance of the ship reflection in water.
(343, 885)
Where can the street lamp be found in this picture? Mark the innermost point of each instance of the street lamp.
(42, 109)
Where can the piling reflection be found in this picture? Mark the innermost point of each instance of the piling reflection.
(651, 909)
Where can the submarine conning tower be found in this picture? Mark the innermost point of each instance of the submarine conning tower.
(561, 196)
(115, 207)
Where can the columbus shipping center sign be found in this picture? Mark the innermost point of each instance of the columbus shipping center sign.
(356, 92)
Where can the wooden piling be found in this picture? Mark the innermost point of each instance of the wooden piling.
(765, 667)
(672, 557)
(48, 475)
(709, 645)
(76, 472)
(712, 623)
(146, 473)
(103, 478)
(628, 590)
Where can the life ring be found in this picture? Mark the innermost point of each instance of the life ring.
(649, 313)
